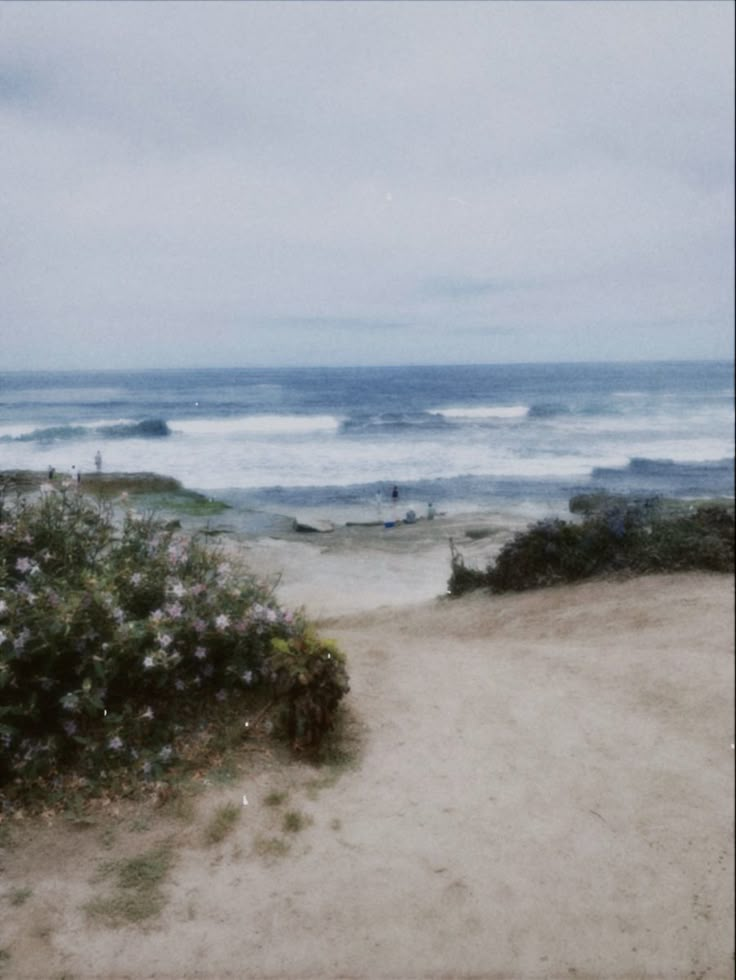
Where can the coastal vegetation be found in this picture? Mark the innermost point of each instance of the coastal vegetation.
(124, 644)
(615, 534)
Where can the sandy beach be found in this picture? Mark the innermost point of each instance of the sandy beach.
(541, 787)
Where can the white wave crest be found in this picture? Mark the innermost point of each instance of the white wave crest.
(485, 412)
(258, 425)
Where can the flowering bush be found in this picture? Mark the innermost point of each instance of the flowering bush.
(111, 630)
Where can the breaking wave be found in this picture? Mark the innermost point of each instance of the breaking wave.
(146, 429)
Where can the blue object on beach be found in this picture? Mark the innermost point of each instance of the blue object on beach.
(389, 523)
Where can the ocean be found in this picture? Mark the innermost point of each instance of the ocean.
(336, 440)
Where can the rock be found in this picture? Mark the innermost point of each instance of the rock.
(315, 526)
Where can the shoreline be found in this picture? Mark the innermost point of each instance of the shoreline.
(341, 567)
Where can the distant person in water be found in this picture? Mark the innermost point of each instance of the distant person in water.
(430, 511)
(52, 472)
(395, 494)
(98, 461)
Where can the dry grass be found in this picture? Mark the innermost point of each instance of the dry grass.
(137, 894)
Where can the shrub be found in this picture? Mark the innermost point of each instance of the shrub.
(309, 679)
(617, 535)
(115, 633)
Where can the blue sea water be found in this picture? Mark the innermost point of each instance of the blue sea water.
(465, 437)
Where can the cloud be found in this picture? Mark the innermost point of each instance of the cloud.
(174, 172)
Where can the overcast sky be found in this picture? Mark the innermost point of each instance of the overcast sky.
(276, 183)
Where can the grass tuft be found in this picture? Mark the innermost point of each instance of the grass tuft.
(271, 846)
(19, 896)
(276, 798)
(137, 893)
(295, 821)
(222, 823)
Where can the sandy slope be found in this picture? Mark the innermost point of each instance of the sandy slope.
(545, 791)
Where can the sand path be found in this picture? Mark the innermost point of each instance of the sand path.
(545, 791)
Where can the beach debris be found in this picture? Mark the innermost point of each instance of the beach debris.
(245, 800)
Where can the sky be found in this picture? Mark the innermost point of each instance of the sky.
(285, 183)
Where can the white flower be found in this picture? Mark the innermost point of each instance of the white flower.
(148, 714)
(200, 653)
(165, 640)
(157, 615)
(20, 641)
(222, 622)
(178, 590)
(136, 578)
(148, 662)
(115, 743)
(23, 565)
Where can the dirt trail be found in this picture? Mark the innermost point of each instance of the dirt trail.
(545, 791)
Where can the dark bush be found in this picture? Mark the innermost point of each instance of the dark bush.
(616, 536)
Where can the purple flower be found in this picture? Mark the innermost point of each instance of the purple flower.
(174, 610)
(115, 743)
(70, 727)
(200, 653)
(70, 702)
(23, 565)
(221, 695)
